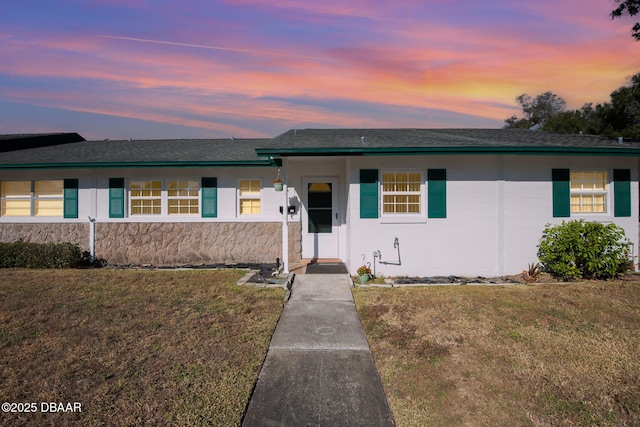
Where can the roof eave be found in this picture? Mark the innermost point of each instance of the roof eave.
(167, 164)
(283, 152)
(405, 151)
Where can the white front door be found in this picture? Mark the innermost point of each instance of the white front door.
(320, 218)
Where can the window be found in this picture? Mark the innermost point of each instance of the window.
(588, 191)
(48, 198)
(16, 198)
(320, 207)
(249, 196)
(401, 193)
(32, 198)
(183, 197)
(164, 197)
(145, 197)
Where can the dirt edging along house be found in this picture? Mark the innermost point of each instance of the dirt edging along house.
(415, 202)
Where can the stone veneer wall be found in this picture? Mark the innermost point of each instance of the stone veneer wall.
(189, 243)
(168, 243)
(295, 241)
(74, 232)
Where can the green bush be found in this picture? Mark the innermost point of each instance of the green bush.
(20, 254)
(584, 250)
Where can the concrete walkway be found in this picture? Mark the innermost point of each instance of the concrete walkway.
(319, 370)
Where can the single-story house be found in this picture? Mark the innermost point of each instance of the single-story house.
(415, 202)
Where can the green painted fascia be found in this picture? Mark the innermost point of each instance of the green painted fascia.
(113, 165)
(558, 151)
(405, 151)
(264, 152)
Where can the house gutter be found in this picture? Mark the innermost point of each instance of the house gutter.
(408, 151)
(118, 165)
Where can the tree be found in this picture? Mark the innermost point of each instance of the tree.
(618, 117)
(536, 110)
(514, 122)
(631, 8)
(587, 119)
(572, 121)
(621, 116)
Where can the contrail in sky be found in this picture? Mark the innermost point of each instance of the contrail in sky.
(227, 49)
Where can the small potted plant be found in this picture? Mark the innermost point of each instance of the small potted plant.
(278, 184)
(364, 273)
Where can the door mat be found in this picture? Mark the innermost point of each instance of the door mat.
(326, 268)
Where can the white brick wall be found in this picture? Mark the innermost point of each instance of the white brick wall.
(497, 207)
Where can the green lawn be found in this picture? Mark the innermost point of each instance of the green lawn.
(132, 347)
(185, 348)
(557, 354)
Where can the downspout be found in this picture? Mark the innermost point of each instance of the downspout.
(92, 219)
(92, 239)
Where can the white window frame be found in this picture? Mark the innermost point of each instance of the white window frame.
(33, 199)
(590, 192)
(164, 198)
(241, 197)
(198, 188)
(404, 217)
(131, 198)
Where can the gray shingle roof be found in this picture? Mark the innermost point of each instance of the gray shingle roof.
(136, 153)
(33, 140)
(379, 141)
(311, 142)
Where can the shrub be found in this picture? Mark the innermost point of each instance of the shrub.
(21, 254)
(584, 250)
(532, 273)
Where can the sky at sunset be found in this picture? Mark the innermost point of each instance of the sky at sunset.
(255, 68)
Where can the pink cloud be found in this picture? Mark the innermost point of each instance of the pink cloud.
(357, 8)
(409, 63)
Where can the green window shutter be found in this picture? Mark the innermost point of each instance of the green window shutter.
(437, 193)
(368, 193)
(116, 197)
(561, 193)
(622, 192)
(209, 197)
(70, 209)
